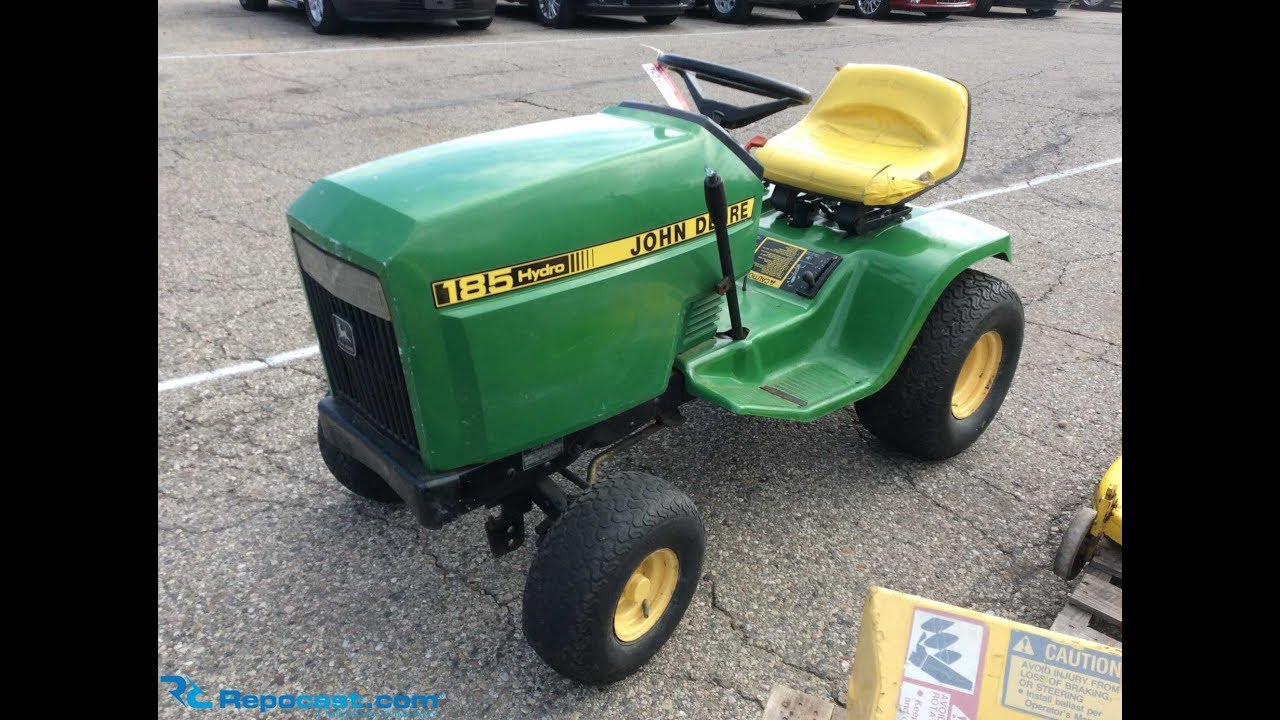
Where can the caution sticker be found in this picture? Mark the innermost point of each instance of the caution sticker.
(1060, 682)
(775, 260)
(942, 676)
(475, 286)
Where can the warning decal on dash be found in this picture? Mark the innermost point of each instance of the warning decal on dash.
(1060, 682)
(774, 261)
(943, 670)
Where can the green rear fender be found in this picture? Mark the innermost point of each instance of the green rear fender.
(848, 342)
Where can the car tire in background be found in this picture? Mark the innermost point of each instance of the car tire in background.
(480, 24)
(982, 9)
(730, 11)
(1094, 4)
(871, 9)
(559, 14)
(253, 5)
(323, 17)
(1041, 12)
(660, 19)
(818, 13)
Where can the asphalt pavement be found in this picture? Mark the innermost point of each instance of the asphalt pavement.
(273, 579)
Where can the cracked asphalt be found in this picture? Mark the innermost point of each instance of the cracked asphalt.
(273, 579)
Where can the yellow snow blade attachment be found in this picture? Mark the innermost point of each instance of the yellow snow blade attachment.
(924, 660)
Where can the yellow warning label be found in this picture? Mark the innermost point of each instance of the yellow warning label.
(1059, 682)
(479, 285)
(775, 260)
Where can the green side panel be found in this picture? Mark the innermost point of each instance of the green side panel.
(816, 356)
(498, 375)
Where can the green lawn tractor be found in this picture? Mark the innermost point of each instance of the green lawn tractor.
(491, 308)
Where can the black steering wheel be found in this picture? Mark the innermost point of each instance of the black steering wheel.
(728, 116)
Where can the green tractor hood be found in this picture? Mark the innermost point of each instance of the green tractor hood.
(495, 363)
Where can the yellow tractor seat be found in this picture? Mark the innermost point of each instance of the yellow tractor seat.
(880, 135)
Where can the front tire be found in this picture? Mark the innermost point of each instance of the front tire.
(476, 24)
(730, 11)
(323, 17)
(955, 376)
(254, 5)
(983, 8)
(559, 14)
(818, 13)
(660, 19)
(354, 476)
(871, 9)
(613, 577)
(1041, 12)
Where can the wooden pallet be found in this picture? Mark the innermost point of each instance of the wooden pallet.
(787, 704)
(1095, 597)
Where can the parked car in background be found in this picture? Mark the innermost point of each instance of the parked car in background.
(564, 13)
(880, 9)
(737, 11)
(328, 16)
(1095, 4)
(1034, 8)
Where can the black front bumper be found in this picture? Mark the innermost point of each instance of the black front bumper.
(637, 8)
(434, 499)
(414, 10)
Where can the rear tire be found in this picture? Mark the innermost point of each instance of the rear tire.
(871, 9)
(983, 8)
(818, 13)
(254, 5)
(955, 376)
(558, 14)
(1041, 12)
(323, 17)
(476, 24)
(730, 11)
(660, 19)
(354, 476)
(582, 584)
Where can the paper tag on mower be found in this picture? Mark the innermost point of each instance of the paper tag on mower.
(670, 92)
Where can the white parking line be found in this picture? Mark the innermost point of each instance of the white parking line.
(306, 352)
(1027, 184)
(283, 358)
(499, 43)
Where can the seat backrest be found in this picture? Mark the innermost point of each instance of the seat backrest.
(899, 106)
(912, 117)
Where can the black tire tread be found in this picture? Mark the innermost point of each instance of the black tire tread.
(254, 5)
(578, 558)
(818, 13)
(908, 411)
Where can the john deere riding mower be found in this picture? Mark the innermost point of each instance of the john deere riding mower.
(491, 308)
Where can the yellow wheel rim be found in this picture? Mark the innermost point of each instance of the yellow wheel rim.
(646, 595)
(979, 371)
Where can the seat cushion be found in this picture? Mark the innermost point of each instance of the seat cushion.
(879, 135)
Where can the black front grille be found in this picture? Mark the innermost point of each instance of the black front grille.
(371, 380)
